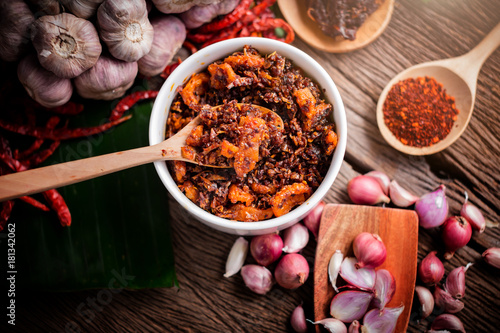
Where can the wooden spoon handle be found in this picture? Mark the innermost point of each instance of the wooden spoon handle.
(38, 180)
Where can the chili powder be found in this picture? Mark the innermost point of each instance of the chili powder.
(419, 112)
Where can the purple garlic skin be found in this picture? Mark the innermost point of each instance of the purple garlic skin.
(43, 86)
(198, 15)
(125, 28)
(179, 6)
(46, 7)
(108, 79)
(82, 8)
(66, 45)
(169, 34)
(15, 22)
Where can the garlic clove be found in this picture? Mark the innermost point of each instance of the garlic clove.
(334, 268)
(382, 179)
(455, 281)
(295, 238)
(169, 34)
(332, 325)
(350, 305)
(492, 256)
(473, 215)
(431, 269)
(236, 257)
(43, 86)
(298, 320)
(66, 45)
(401, 197)
(444, 301)
(16, 19)
(125, 28)
(257, 278)
(363, 278)
(382, 321)
(384, 289)
(447, 322)
(364, 190)
(108, 79)
(426, 301)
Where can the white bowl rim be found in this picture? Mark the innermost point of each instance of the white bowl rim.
(231, 46)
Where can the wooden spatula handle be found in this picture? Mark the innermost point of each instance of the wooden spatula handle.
(38, 180)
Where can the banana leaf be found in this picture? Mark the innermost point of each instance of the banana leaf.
(120, 233)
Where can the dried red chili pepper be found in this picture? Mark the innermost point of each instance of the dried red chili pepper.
(419, 112)
(5, 213)
(170, 68)
(70, 108)
(51, 123)
(60, 133)
(190, 47)
(128, 101)
(35, 203)
(57, 203)
(263, 5)
(269, 25)
(40, 156)
(227, 20)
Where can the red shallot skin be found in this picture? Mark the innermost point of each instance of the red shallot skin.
(492, 256)
(312, 220)
(456, 233)
(445, 302)
(365, 190)
(431, 269)
(432, 208)
(473, 215)
(455, 281)
(369, 249)
(298, 320)
(266, 249)
(292, 271)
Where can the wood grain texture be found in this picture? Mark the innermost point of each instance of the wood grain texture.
(419, 31)
(398, 229)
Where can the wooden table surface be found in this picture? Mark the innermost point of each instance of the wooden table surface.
(420, 30)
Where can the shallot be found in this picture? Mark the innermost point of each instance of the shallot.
(295, 238)
(369, 249)
(311, 221)
(456, 234)
(266, 249)
(366, 190)
(384, 289)
(363, 278)
(236, 256)
(334, 268)
(473, 215)
(66, 45)
(354, 327)
(257, 278)
(446, 302)
(350, 305)
(298, 320)
(382, 179)
(292, 271)
(455, 281)
(426, 301)
(447, 322)
(492, 256)
(432, 208)
(332, 325)
(382, 321)
(400, 196)
(431, 269)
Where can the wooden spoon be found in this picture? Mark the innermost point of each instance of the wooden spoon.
(459, 77)
(295, 12)
(398, 228)
(38, 180)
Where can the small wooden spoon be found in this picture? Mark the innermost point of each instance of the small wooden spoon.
(38, 180)
(459, 77)
(398, 229)
(295, 12)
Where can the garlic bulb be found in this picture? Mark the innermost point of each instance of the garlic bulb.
(66, 45)
(169, 34)
(43, 86)
(199, 15)
(82, 8)
(108, 79)
(15, 21)
(125, 28)
(179, 6)
(46, 7)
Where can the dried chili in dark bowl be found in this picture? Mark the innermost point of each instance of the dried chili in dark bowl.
(307, 172)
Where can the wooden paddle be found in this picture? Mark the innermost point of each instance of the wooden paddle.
(398, 228)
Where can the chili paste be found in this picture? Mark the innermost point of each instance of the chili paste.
(273, 169)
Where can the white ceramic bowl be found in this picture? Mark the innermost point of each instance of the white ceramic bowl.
(198, 62)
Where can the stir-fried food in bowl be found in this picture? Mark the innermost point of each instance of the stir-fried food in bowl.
(271, 167)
